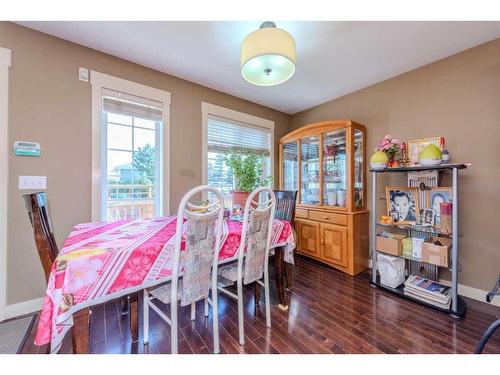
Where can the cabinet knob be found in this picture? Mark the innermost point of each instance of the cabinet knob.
(326, 218)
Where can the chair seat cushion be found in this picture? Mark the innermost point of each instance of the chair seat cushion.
(163, 292)
(229, 272)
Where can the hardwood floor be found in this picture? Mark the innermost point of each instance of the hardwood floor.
(330, 312)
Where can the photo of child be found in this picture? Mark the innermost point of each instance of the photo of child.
(435, 197)
(402, 204)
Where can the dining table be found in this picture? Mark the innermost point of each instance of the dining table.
(103, 261)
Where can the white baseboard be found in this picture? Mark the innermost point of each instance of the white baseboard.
(473, 293)
(23, 308)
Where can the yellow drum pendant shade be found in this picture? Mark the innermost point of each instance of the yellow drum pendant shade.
(268, 56)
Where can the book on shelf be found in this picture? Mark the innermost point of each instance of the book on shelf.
(427, 286)
(443, 305)
(429, 291)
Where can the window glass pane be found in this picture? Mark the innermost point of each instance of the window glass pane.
(143, 123)
(143, 137)
(120, 166)
(309, 159)
(358, 168)
(290, 169)
(131, 170)
(334, 168)
(119, 119)
(119, 137)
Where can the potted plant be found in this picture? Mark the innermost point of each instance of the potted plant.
(247, 170)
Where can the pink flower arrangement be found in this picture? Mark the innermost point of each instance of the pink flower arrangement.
(389, 145)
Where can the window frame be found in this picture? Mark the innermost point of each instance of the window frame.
(243, 119)
(99, 144)
(5, 65)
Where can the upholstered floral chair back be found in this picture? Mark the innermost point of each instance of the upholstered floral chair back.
(202, 222)
(257, 232)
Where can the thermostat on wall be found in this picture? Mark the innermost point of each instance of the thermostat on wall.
(22, 148)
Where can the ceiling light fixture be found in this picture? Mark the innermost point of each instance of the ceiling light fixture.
(268, 56)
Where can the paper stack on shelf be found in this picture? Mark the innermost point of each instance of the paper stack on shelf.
(428, 291)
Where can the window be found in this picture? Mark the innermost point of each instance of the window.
(228, 130)
(131, 154)
(131, 158)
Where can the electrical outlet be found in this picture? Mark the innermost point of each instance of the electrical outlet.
(32, 182)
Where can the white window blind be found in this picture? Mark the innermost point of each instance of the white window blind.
(123, 103)
(225, 135)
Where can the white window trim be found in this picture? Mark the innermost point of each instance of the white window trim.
(5, 64)
(208, 109)
(100, 80)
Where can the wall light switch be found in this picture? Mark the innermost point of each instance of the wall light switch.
(83, 74)
(32, 182)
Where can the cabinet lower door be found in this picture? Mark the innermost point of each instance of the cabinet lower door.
(308, 237)
(334, 244)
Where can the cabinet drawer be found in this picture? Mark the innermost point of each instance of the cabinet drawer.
(301, 213)
(327, 217)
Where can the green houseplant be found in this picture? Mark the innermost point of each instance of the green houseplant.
(247, 170)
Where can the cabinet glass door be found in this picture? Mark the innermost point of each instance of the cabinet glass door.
(309, 172)
(290, 166)
(334, 168)
(358, 168)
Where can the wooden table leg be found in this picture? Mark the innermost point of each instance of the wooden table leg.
(289, 275)
(134, 316)
(278, 264)
(124, 305)
(80, 331)
(256, 293)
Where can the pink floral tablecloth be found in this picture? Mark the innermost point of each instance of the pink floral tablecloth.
(103, 261)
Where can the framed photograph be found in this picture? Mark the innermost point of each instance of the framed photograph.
(435, 197)
(402, 203)
(425, 218)
(417, 145)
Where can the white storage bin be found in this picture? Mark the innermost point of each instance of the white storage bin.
(391, 270)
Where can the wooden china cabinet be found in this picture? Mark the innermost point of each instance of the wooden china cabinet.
(326, 163)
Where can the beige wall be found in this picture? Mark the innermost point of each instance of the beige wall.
(457, 98)
(49, 105)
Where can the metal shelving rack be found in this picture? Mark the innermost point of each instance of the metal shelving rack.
(458, 307)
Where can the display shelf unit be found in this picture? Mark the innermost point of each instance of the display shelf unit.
(458, 306)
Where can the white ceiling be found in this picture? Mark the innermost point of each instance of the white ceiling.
(333, 58)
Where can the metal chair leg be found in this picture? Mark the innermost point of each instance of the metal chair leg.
(193, 311)
(240, 312)
(145, 316)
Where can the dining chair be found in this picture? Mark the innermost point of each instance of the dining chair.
(253, 253)
(285, 210)
(38, 212)
(36, 205)
(198, 262)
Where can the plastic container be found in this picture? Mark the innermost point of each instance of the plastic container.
(391, 270)
(407, 247)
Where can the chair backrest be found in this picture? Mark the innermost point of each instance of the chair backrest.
(256, 234)
(203, 230)
(285, 205)
(36, 205)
